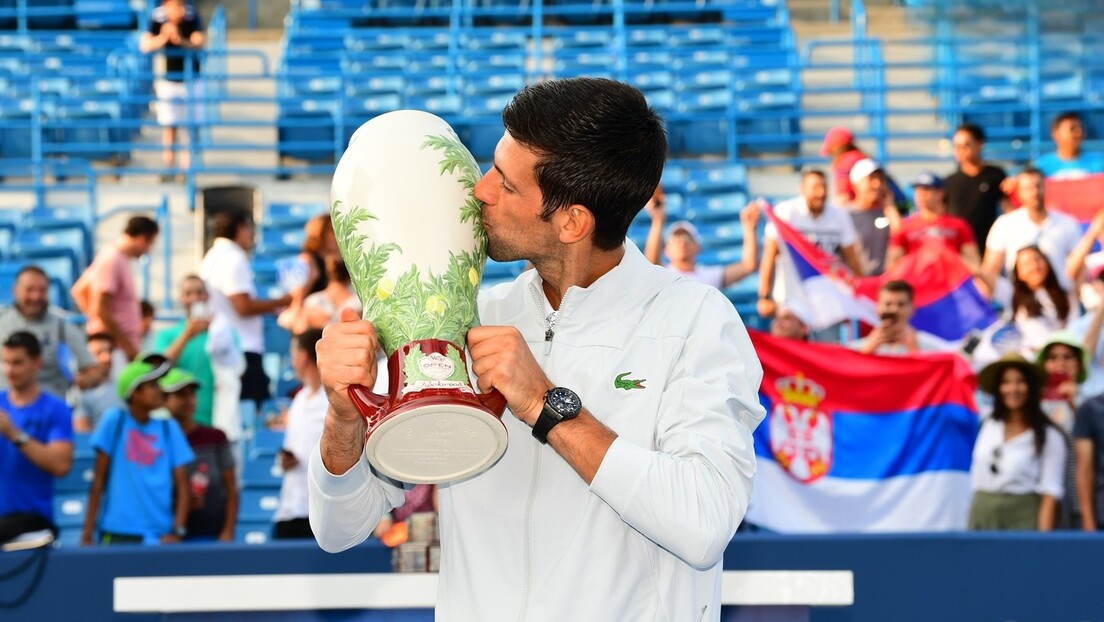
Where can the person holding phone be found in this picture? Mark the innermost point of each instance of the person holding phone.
(1065, 360)
(895, 335)
(185, 344)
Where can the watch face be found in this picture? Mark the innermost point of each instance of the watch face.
(564, 401)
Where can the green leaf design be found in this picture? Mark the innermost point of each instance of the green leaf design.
(410, 366)
(418, 306)
(459, 374)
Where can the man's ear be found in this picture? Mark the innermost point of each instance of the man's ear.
(576, 223)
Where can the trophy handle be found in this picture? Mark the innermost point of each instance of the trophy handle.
(493, 401)
(366, 402)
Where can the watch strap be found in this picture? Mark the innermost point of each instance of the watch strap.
(22, 439)
(544, 424)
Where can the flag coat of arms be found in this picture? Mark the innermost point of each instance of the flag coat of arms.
(861, 443)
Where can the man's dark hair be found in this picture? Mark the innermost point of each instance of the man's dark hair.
(812, 172)
(31, 269)
(141, 226)
(599, 145)
(147, 308)
(973, 130)
(1031, 170)
(898, 287)
(307, 341)
(102, 337)
(1069, 115)
(226, 224)
(25, 341)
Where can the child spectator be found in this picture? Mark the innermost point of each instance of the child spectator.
(95, 401)
(212, 484)
(140, 463)
(306, 416)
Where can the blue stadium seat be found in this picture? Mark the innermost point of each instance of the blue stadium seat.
(716, 177)
(290, 215)
(258, 505)
(103, 14)
(79, 478)
(281, 241)
(306, 129)
(36, 245)
(712, 207)
(253, 531)
(261, 473)
(265, 442)
(277, 338)
(70, 509)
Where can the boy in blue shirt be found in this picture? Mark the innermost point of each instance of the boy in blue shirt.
(36, 441)
(141, 455)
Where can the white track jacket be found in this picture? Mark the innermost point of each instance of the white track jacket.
(667, 365)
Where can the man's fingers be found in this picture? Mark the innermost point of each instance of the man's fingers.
(349, 315)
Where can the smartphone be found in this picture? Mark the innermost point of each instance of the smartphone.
(1050, 391)
(973, 340)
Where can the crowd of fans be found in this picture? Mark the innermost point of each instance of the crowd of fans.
(163, 407)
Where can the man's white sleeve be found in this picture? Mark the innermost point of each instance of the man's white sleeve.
(344, 509)
(690, 491)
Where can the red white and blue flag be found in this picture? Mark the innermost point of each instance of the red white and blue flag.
(862, 443)
(947, 303)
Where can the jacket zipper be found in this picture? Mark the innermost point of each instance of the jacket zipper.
(549, 332)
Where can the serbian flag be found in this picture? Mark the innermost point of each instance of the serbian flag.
(862, 443)
(1081, 198)
(821, 281)
(947, 303)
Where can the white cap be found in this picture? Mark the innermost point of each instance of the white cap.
(863, 169)
(799, 310)
(684, 225)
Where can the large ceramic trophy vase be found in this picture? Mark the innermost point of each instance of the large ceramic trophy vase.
(412, 237)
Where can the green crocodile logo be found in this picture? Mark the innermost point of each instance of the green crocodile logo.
(628, 384)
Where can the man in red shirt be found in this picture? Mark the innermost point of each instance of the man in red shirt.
(933, 225)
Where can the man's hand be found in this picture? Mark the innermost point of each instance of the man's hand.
(196, 326)
(749, 216)
(170, 538)
(171, 33)
(657, 207)
(347, 357)
(502, 360)
(766, 307)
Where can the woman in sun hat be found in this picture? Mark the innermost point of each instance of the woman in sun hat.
(1018, 468)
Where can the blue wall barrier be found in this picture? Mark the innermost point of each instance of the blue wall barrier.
(898, 578)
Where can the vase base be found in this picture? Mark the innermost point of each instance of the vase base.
(436, 443)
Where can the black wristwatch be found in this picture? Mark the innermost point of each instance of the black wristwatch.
(560, 404)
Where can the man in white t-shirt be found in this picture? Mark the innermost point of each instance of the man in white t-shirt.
(233, 295)
(684, 243)
(1055, 234)
(828, 227)
(306, 418)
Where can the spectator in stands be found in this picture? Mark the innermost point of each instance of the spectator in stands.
(1088, 441)
(874, 213)
(36, 441)
(306, 416)
(107, 292)
(324, 307)
(580, 157)
(1054, 233)
(185, 344)
(319, 244)
(791, 321)
(1019, 455)
(895, 335)
(63, 346)
(1069, 161)
(1065, 360)
(391, 529)
(233, 294)
(95, 401)
(839, 145)
(148, 313)
(140, 474)
(974, 189)
(932, 224)
(825, 225)
(684, 244)
(176, 28)
(1040, 305)
(212, 483)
